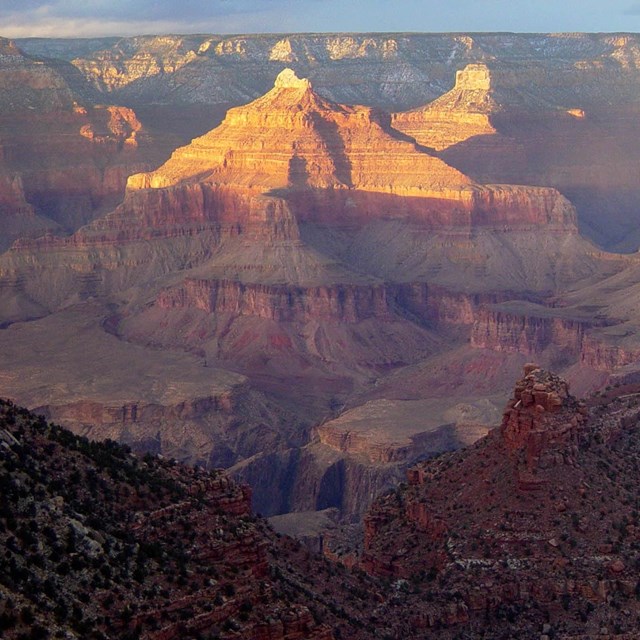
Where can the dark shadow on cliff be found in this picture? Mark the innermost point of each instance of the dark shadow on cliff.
(335, 145)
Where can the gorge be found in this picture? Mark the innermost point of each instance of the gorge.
(213, 253)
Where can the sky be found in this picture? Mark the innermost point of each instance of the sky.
(85, 18)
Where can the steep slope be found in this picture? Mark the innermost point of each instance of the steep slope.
(535, 523)
(531, 532)
(577, 131)
(99, 543)
(504, 123)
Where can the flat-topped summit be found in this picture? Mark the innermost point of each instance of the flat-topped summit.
(294, 137)
(474, 77)
(287, 79)
(480, 76)
(481, 92)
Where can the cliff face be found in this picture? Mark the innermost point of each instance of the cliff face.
(525, 109)
(460, 114)
(529, 330)
(326, 146)
(402, 70)
(282, 303)
(492, 127)
(313, 478)
(504, 523)
(526, 329)
(331, 146)
(313, 248)
(64, 159)
(235, 184)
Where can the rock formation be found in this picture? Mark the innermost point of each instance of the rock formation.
(461, 114)
(229, 185)
(526, 521)
(278, 246)
(63, 159)
(168, 551)
(98, 541)
(560, 109)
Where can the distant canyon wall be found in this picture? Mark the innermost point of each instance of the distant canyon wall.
(402, 70)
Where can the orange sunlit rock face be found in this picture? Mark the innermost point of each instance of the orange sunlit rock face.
(460, 114)
(294, 138)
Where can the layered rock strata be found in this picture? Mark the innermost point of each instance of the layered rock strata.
(280, 247)
(213, 191)
(63, 159)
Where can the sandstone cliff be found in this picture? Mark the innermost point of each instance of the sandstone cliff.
(402, 70)
(211, 191)
(278, 246)
(327, 146)
(540, 109)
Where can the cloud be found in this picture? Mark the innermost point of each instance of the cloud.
(23, 18)
(140, 10)
(68, 18)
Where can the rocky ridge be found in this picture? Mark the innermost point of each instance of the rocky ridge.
(100, 543)
(215, 190)
(261, 253)
(534, 523)
(408, 69)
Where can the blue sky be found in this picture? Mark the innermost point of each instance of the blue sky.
(23, 18)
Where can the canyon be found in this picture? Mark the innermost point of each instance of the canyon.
(236, 252)
(63, 160)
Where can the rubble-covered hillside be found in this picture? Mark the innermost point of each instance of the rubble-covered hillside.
(535, 527)
(97, 543)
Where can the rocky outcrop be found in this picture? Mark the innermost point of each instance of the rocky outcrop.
(543, 421)
(531, 514)
(327, 146)
(331, 146)
(348, 303)
(494, 128)
(600, 352)
(462, 113)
